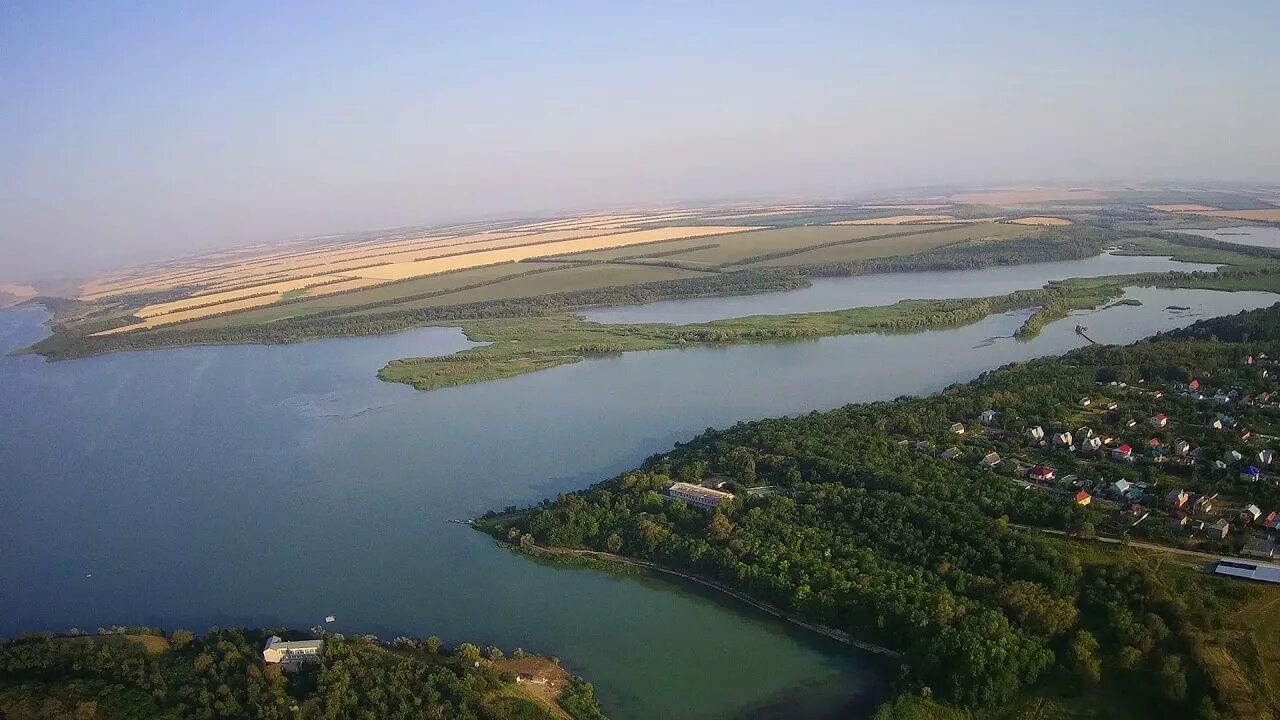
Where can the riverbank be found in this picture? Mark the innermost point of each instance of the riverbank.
(146, 672)
(549, 551)
(518, 346)
(889, 527)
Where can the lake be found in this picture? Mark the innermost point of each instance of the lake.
(1259, 235)
(827, 294)
(264, 485)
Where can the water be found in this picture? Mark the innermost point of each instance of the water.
(1260, 235)
(886, 289)
(276, 485)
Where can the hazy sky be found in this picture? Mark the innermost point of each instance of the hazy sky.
(135, 129)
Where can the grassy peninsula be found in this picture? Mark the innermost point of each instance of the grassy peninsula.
(927, 526)
(143, 673)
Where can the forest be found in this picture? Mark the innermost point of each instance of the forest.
(141, 673)
(837, 519)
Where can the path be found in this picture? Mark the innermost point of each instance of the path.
(1116, 541)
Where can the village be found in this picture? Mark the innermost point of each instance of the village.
(1188, 464)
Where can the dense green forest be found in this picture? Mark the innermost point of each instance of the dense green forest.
(144, 674)
(854, 528)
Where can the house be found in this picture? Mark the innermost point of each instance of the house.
(1084, 432)
(1178, 521)
(1193, 385)
(1091, 445)
(1085, 402)
(956, 428)
(1083, 498)
(1133, 510)
(1123, 453)
(950, 453)
(1181, 447)
(1246, 434)
(290, 655)
(1266, 456)
(1262, 547)
(1216, 424)
(1251, 473)
(1041, 474)
(1036, 433)
(1221, 397)
(1203, 504)
(1219, 529)
(1121, 487)
(1154, 443)
(1250, 514)
(1176, 499)
(533, 679)
(1269, 522)
(1062, 438)
(1219, 465)
(1159, 420)
(1234, 456)
(1248, 359)
(1131, 423)
(990, 460)
(1113, 405)
(698, 496)
(988, 417)
(923, 446)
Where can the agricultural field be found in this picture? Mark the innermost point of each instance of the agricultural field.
(882, 247)
(650, 253)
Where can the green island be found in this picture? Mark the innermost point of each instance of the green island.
(515, 346)
(146, 674)
(1040, 542)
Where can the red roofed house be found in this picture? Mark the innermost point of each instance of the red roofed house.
(1042, 474)
(1124, 452)
(1159, 420)
(1194, 385)
(1083, 498)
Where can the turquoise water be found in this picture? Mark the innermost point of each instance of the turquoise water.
(279, 484)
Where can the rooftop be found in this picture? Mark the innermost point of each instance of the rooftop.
(699, 491)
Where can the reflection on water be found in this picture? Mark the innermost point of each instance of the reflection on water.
(1259, 235)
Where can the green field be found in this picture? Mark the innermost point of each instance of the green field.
(559, 278)
(908, 245)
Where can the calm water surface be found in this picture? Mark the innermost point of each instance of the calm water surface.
(1260, 235)
(276, 485)
(886, 289)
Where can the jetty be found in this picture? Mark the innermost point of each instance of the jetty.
(1083, 331)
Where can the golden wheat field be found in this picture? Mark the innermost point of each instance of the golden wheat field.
(1041, 220)
(1181, 207)
(899, 220)
(247, 278)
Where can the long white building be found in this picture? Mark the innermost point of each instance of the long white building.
(702, 497)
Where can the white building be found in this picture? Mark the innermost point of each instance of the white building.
(697, 495)
(291, 654)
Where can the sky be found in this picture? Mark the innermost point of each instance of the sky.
(138, 130)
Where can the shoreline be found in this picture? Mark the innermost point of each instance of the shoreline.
(823, 630)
